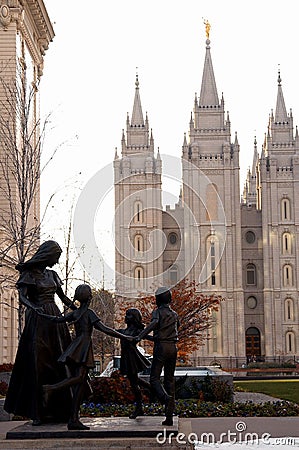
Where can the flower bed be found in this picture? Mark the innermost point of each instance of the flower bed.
(196, 408)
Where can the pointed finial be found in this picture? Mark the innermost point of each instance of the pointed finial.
(185, 140)
(137, 81)
(279, 79)
(208, 27)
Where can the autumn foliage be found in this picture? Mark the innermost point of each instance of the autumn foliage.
(193, 308)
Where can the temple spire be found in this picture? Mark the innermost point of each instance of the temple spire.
(280, 112)
(255, 158)
(208, 93)
(137, 116)
(138, 139)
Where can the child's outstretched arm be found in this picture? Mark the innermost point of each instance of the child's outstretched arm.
(98, 325)
(147, 330)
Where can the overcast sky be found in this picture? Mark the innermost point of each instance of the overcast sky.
(89, 75)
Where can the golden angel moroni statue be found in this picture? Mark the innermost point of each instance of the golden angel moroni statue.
(208, 27)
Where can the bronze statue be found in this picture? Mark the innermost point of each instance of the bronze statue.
(208, 27)
(41, 342)
(79, 354)
(164, 325)
(132, 361)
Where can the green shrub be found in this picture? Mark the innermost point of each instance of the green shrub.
(265, 365)
(216, 390)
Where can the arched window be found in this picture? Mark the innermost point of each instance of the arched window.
(139, 276)
(138, 243)
(211, 202)
(138, 213)
(213, 266)
(287, 275)
(289, 309)
(290, 342)
(251, 275)
(285, 209)
(286, 243)
(173, 274)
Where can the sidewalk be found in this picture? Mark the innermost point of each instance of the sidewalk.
(216, 429)
(274, 426)
(254, 397)
(212, 429)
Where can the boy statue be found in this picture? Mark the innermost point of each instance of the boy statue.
(164, 324)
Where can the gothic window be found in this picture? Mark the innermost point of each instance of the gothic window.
(285, 209)
(173, 274)
(213, 268)
(139, 276)
(138, 243)
(250, 237)
(138, 213)
(286, 243)
(251, 275)
(172, 238)
(290, 342)
(287, 275)
(211, 202)
(289, 309)
(251, 302)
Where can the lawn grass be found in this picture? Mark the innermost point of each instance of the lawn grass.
(283, 389)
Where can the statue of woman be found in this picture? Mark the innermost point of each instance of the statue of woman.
(41, 343)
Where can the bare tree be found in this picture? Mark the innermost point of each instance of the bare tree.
(103, 304)
(21, 142)
(69, 267)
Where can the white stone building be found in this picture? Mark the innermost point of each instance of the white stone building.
(246, 250)
(25, 34)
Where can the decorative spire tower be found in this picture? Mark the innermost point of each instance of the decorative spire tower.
(211, 190)
(138, 207)
(279, 175)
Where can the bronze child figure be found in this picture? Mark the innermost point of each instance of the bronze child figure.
(132, 361)
(79, 354)
(164, 325)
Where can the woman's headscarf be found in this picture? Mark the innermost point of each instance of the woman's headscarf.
(42, 255)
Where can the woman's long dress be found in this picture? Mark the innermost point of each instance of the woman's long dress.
(41, 344)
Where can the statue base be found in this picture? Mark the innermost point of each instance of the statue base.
(100, 427)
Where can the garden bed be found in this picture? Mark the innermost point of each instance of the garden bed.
(196, 408)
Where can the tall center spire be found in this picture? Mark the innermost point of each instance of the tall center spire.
(208, 93)
(137, 116)
(280, 112)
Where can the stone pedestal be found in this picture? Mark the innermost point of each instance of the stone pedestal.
(100, 427)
